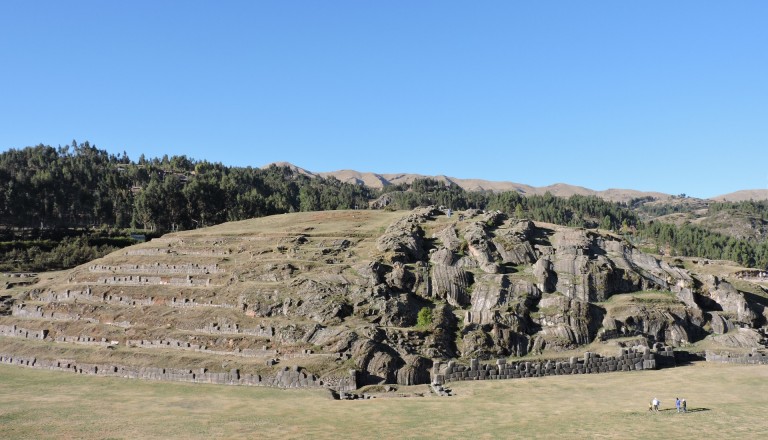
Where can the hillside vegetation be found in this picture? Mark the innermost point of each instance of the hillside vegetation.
(95, 200)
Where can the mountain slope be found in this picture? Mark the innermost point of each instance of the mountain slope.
(744, 195)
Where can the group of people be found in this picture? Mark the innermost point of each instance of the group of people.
(680, 405)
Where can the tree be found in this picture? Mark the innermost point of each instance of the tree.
(519, 213)
(606, 223)
(149, 206)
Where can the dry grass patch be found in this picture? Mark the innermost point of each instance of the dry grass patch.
(721, 399)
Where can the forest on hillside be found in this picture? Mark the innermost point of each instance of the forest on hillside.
(62, 206)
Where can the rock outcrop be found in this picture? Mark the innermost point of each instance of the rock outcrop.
(730, 300)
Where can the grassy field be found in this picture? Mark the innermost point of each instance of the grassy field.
(724, 401)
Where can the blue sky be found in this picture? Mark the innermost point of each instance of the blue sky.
(654, 95)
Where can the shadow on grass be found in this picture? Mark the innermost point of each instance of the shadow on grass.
(674, 410)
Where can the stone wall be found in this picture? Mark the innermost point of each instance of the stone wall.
(159, 269)
(204, 252)
(293, 377)
(592, 363)
(754, 358)
(85, 340)
(186, 302)
(143, 280)
(630, 359)
(183, 345)
(343, 383)
(147, 252)
(88, 295)
(67, 295)
(121, 299)
(18, 332)
(36, 312)
(223, 328)
(25, 311)
(244, 352)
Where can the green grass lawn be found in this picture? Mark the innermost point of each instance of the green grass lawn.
(725, 401)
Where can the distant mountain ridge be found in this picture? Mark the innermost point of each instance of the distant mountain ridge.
(375, 180)
(743, 195)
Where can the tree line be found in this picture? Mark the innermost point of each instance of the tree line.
(693, 241)
(756, 209)
(94, 199)
(576, 211)
(593, 212)
(79, 186)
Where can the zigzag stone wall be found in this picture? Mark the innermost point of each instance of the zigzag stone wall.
(125, 300)
(295, 377)
(37, 312)
(173, 344)
(286, 377)
(183, 345)
(628, 360)
(178, 251)
(186, 302)
(88, 295)
(143, 280)
(18, 332)
(223, 328)
(159, 269)
(244, 352)
(754, 358)
(85, 340)
(15, 331)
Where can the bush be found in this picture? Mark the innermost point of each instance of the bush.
(424, 318)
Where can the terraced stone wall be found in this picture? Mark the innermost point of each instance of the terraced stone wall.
(144, 280)
(293, 377)
(18, 332)
(754, 358)
(28, 311)
(591, 363)
(223, 328)
(159, 269)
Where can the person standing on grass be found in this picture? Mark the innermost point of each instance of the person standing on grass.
(677, 404)
(656, 404)
(685, 406)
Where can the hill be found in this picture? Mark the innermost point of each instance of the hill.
(380, 181)
(744, 195)
(303, 298)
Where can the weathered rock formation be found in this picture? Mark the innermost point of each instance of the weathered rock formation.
(730, 300)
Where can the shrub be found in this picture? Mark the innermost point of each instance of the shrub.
(424, 318)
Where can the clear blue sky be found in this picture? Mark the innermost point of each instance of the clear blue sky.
(667, 96)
